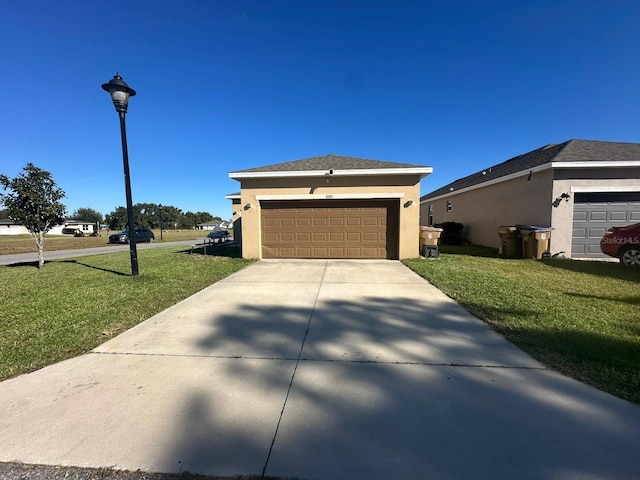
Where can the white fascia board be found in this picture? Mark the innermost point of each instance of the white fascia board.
(596, 164)
(592, 164)
(495, 181)
(605, 189)
(422, 171)
(330, 196)
(232, 196)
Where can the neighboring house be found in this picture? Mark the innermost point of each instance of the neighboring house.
(8, 227)
(236, 216)
(213, 224)
(70, 226)
(329, 207)
(579, 188)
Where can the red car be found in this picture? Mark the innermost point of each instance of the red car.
(623, 243)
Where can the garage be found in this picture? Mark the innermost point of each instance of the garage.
(329, 207)
(594, 213)
(359, 229)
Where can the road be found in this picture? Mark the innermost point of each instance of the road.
(82, 252)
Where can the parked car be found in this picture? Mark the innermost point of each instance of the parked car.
(623, 243)
(142, 235)
(218, 235)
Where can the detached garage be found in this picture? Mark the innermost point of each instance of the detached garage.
(330, 207)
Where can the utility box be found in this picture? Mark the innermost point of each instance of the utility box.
(510, 241)
(535, 240)
(429, 240)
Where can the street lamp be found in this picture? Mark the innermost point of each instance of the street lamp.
(120, 93)
(161, 218)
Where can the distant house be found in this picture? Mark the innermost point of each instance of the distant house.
(69, 227)
(579, 188)
(236, 215)
(8, 227)
(213, 224)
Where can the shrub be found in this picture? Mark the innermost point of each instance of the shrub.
(451, 233)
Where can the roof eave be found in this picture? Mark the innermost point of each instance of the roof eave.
(422, 171)
(521, 173)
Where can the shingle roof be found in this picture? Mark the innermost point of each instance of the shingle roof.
(569, 151)
(329, 162)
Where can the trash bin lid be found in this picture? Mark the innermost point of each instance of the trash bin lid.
(533, 228)
(430, 229)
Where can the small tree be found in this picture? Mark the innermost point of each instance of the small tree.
(33, 200)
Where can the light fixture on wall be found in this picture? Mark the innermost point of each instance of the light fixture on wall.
(248, 206)
(408, 203)
(564, 196)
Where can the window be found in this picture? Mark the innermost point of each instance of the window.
(430, 221)
(449, 205)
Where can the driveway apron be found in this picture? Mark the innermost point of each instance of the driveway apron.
(318, 369)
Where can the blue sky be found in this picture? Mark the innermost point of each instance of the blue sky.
(229, 85)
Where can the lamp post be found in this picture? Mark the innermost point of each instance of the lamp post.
(120, 93)
(160, 208)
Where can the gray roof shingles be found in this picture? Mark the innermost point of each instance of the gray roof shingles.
(328, 162)
(569, 151)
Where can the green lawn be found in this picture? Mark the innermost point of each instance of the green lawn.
(71, 306)
(577, 317)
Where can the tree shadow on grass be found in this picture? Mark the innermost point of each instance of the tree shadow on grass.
(631, 300)
(600, 269)
(26, 264)
(232, 251)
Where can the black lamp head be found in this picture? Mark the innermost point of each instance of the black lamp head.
(120, 92)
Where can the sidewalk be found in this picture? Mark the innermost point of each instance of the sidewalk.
(324, 370)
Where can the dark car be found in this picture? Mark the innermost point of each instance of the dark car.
(218, 235)
(142, 235)
(623, 243)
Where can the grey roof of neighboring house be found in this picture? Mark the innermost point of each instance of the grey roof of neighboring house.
(329, 162)
(569, 151)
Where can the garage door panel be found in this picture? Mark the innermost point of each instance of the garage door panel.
(330, 229)
(618, 216)
(595, 213)
(597, 216)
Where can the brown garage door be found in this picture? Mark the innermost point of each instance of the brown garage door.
(330, 229)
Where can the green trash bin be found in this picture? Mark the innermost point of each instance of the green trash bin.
(510, 241)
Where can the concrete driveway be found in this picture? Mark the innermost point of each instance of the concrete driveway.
(324, 370)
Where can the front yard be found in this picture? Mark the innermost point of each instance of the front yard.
(577, 317)
(72, 306)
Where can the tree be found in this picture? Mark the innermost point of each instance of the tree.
(88, 215)
(117, 219)
(33, 200)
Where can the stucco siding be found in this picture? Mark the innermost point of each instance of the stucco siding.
(522, 200)
(406, 188)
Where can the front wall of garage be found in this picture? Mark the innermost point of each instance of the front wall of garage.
(400, 239)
